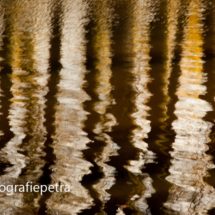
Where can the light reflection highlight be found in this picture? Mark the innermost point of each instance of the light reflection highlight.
(143, 15)
(102, 14)
(69, 138)
(190, 163)
(28, 57)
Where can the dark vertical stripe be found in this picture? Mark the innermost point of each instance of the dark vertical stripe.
(209, 69)
(161, 136)
(96, 146)
(6, 84)
(127, 184)
(51, 100)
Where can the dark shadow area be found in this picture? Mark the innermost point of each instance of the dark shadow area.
(96, 146)
(51, 101)
(6, 97)
(162, 105)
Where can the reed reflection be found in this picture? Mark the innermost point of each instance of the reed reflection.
(29, 79)
(33, 143)
(101, 43)
(172, 24)
(130, 81)
(172, 9)
(142, 17)
(190, 194)
(69, 138)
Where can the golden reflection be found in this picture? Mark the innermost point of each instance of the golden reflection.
(17, 115)
(142, 17)
(28, 57)
(190, 164)
(69, 138)
(102, 53)
(172, 22)
(35, 139)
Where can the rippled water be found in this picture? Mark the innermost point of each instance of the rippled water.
(115, 99)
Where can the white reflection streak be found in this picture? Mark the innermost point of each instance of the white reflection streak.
(102, 48)
(143, 16)
(69, 137)
(17, 112)
(172, 22)
(190, 164)
(28, 74)
(40, 56)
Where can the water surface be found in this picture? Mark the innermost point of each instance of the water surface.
(114, 99)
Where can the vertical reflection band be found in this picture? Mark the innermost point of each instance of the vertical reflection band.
(69, 138)
(143, 15)
(28, 57)
(190, 163)
(102, 14)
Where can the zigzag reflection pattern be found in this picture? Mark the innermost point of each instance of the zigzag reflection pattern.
(25, 44)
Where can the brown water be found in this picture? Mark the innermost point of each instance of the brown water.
(114, 99)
